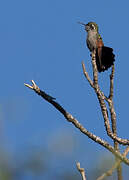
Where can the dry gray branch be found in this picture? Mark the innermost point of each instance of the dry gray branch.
(111, 132)
(111, 82)
(87, 75)
(71, 119)
(81, 170)
(114, 167)
(101, 98)
(113, 119)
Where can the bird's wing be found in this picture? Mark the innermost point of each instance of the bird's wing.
(99, 53)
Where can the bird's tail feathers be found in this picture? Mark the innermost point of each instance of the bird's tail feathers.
(107, 59)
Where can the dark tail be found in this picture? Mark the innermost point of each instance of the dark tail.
(107, 59)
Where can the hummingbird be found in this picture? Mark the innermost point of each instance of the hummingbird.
(104, 55)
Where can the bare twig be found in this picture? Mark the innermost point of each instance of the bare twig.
(87, 75)
(71, 119)
(95, 71)
(101, 98)
(110, 103)
(113, 119)
(114, 167)
(81, 170)
(91, 82)
(113, 133)
(111, 82)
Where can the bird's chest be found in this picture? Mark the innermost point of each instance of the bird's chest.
(92, 40)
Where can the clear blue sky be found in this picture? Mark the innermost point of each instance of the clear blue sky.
(41, 40)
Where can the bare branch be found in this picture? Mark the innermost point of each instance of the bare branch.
(110, 103)
(116, 165)
(111, 82)
(81, 170)
(113, 119)
(101, 98)
(71, 119)
(113, 133)
(91, 82)
(111, 108)
(86, 75)
(95, 71)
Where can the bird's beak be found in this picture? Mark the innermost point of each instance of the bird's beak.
(82, 23)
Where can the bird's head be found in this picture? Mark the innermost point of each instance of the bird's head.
(91, 26)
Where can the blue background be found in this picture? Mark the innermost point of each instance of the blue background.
(41, 40)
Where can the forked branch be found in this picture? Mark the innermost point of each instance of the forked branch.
(114, 167)
(101, 97)
(74, 121)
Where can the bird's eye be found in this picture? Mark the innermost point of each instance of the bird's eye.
(92, 26)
